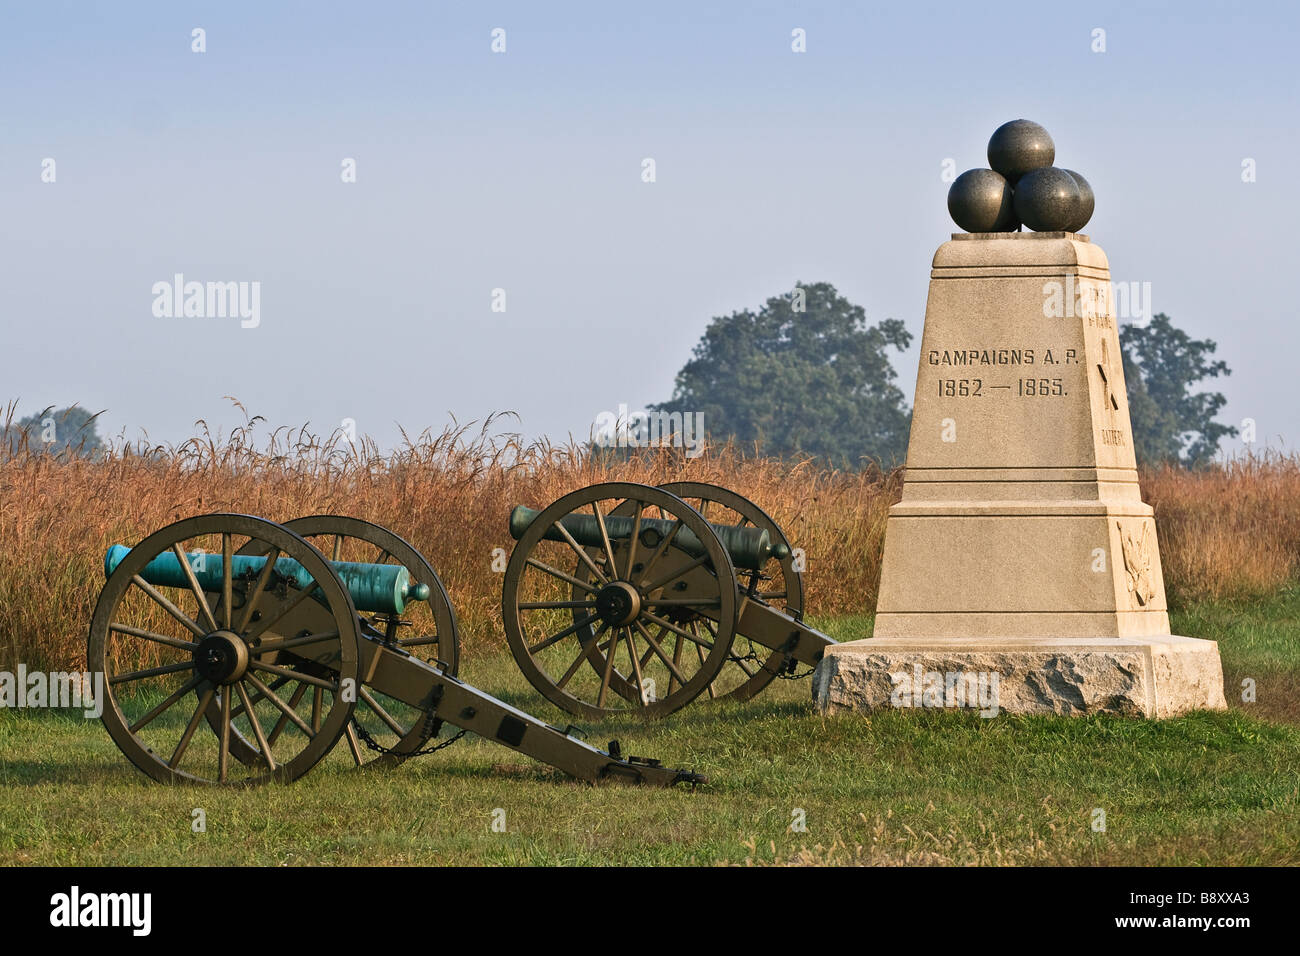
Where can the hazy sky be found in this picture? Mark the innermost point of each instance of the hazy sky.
(522, 171)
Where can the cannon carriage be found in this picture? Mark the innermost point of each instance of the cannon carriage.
(287, 651)
(623, 598)
(618, 598)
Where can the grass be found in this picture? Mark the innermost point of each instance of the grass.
(1259, 641)
(896, 788)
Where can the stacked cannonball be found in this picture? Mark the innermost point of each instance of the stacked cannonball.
(1022, 187)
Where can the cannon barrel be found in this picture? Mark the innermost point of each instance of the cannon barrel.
(749, 547)
(375, 588)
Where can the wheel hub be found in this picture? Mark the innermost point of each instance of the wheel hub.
(618, 604)
(221, 657)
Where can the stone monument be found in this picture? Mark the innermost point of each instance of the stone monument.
(1021, 557)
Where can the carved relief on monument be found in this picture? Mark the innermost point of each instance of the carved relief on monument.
(1137, 563)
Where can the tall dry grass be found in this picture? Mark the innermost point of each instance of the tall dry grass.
(1228, 533)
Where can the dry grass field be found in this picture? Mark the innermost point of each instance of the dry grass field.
(1225, 534)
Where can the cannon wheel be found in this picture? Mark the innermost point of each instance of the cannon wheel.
(396, 727)
(552, 655)
(135, 621)
(777, 583)
(750, 667)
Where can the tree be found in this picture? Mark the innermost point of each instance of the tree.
(1171, 423)
(804, 375)
(70, 430)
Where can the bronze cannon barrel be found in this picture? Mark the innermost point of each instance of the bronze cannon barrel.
(376, 588)
(749, 547)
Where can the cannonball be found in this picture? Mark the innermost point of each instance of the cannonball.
(980, 200)
(1087, 202)
(1047, 200)
(1017, 147)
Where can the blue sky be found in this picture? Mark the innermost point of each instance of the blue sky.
(522, 171)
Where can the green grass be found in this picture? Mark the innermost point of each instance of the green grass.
(1257, 640)
(897, 787)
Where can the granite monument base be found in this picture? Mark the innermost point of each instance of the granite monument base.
(1138, 676)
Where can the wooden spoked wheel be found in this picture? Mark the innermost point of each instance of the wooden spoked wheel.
(750, 667)
(614, 597)
(276, 653)
(424, 629)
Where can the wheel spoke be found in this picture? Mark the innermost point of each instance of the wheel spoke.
(287, 712)
(632, 541)
(223, 756)
(283, 722)
(275, 685)
(609, 670)
(287, 643)
(555, 638)
(184, 743)
(250, 603)
(353, 743)
(227, 579)
(257, 727)
(156, 638)
(555, 572)
(683, 602)
(699, 652)
(553, 605)
(636, 669)
(151, 672)
(675, 629)
(582, 656)
(293, 675)
(317, 699)
(581, 552)
(383, 715)
(604, 538)
(654, 646)
(167, 605)
(678, 645)
(193, 580)
(171, 699)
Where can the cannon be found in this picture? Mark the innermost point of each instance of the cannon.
(623, 597)
(238, 651)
